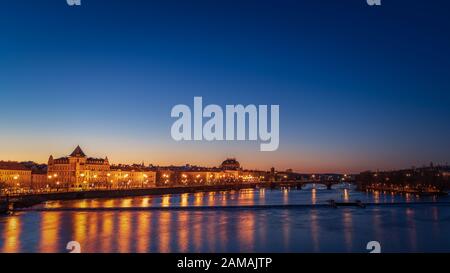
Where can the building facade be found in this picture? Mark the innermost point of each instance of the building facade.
(39, 181)
(79, 171)
(229, 171)
(134, 176)
(14, 175)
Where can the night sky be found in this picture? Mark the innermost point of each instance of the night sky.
(359, 87)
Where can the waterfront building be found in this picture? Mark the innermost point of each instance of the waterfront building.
(14, 175)
(39, 179)
(79, 171)
(131, 176)
(230, 164)
(38, 175)
(206, 177)
(229, 171)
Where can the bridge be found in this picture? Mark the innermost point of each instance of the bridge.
(299, 184)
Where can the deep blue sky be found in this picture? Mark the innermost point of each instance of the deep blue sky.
(359, 87)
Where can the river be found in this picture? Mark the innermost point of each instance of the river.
(253, 220)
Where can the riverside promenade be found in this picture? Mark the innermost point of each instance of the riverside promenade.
(24, 200)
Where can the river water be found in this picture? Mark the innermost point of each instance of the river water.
(253, 220)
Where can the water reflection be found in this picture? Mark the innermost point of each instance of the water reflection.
(165, 201)
(246, 231)
(347, 221)
(346, 195)
(11, 236)
(198, 199)
(198, 231)
(411, 228)
(232, 230)
(107, 232)
(48, 229)
(164, 231)
(286, 228)
(143, 228)
(286, 196)
(184, 200)
(125, 230)
(262, 196)
(145, 202)
(314, 230)
(314, 196)
(79, 226)
(183, 235)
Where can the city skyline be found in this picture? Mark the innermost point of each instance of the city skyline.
(118, 162)
(357, 88)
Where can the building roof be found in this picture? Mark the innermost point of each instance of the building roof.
(92, 160)
(230, 163)
(12, 165)
(78, 152)
(39, 170)
(61, 160)
(135, 168)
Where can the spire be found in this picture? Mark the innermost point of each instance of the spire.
(78, 152)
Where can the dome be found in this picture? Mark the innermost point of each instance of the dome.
(230, 164)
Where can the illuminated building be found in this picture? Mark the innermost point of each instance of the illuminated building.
(79, 171)
(39, 179)
(230, 164)
(125, 176)
(14, 175)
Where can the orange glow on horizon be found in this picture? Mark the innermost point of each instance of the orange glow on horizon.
(166, 154)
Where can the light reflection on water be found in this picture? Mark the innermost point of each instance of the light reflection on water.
(417, 228)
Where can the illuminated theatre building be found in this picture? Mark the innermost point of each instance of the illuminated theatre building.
(79, 171)
(230, 171)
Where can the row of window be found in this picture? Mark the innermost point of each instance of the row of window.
(13, 172)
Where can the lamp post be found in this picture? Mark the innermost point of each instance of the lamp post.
(49, 180)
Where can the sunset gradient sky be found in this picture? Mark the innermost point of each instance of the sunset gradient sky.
(359, 87)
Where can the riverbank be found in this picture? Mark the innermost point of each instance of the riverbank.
(399, 191)
(26, 201)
